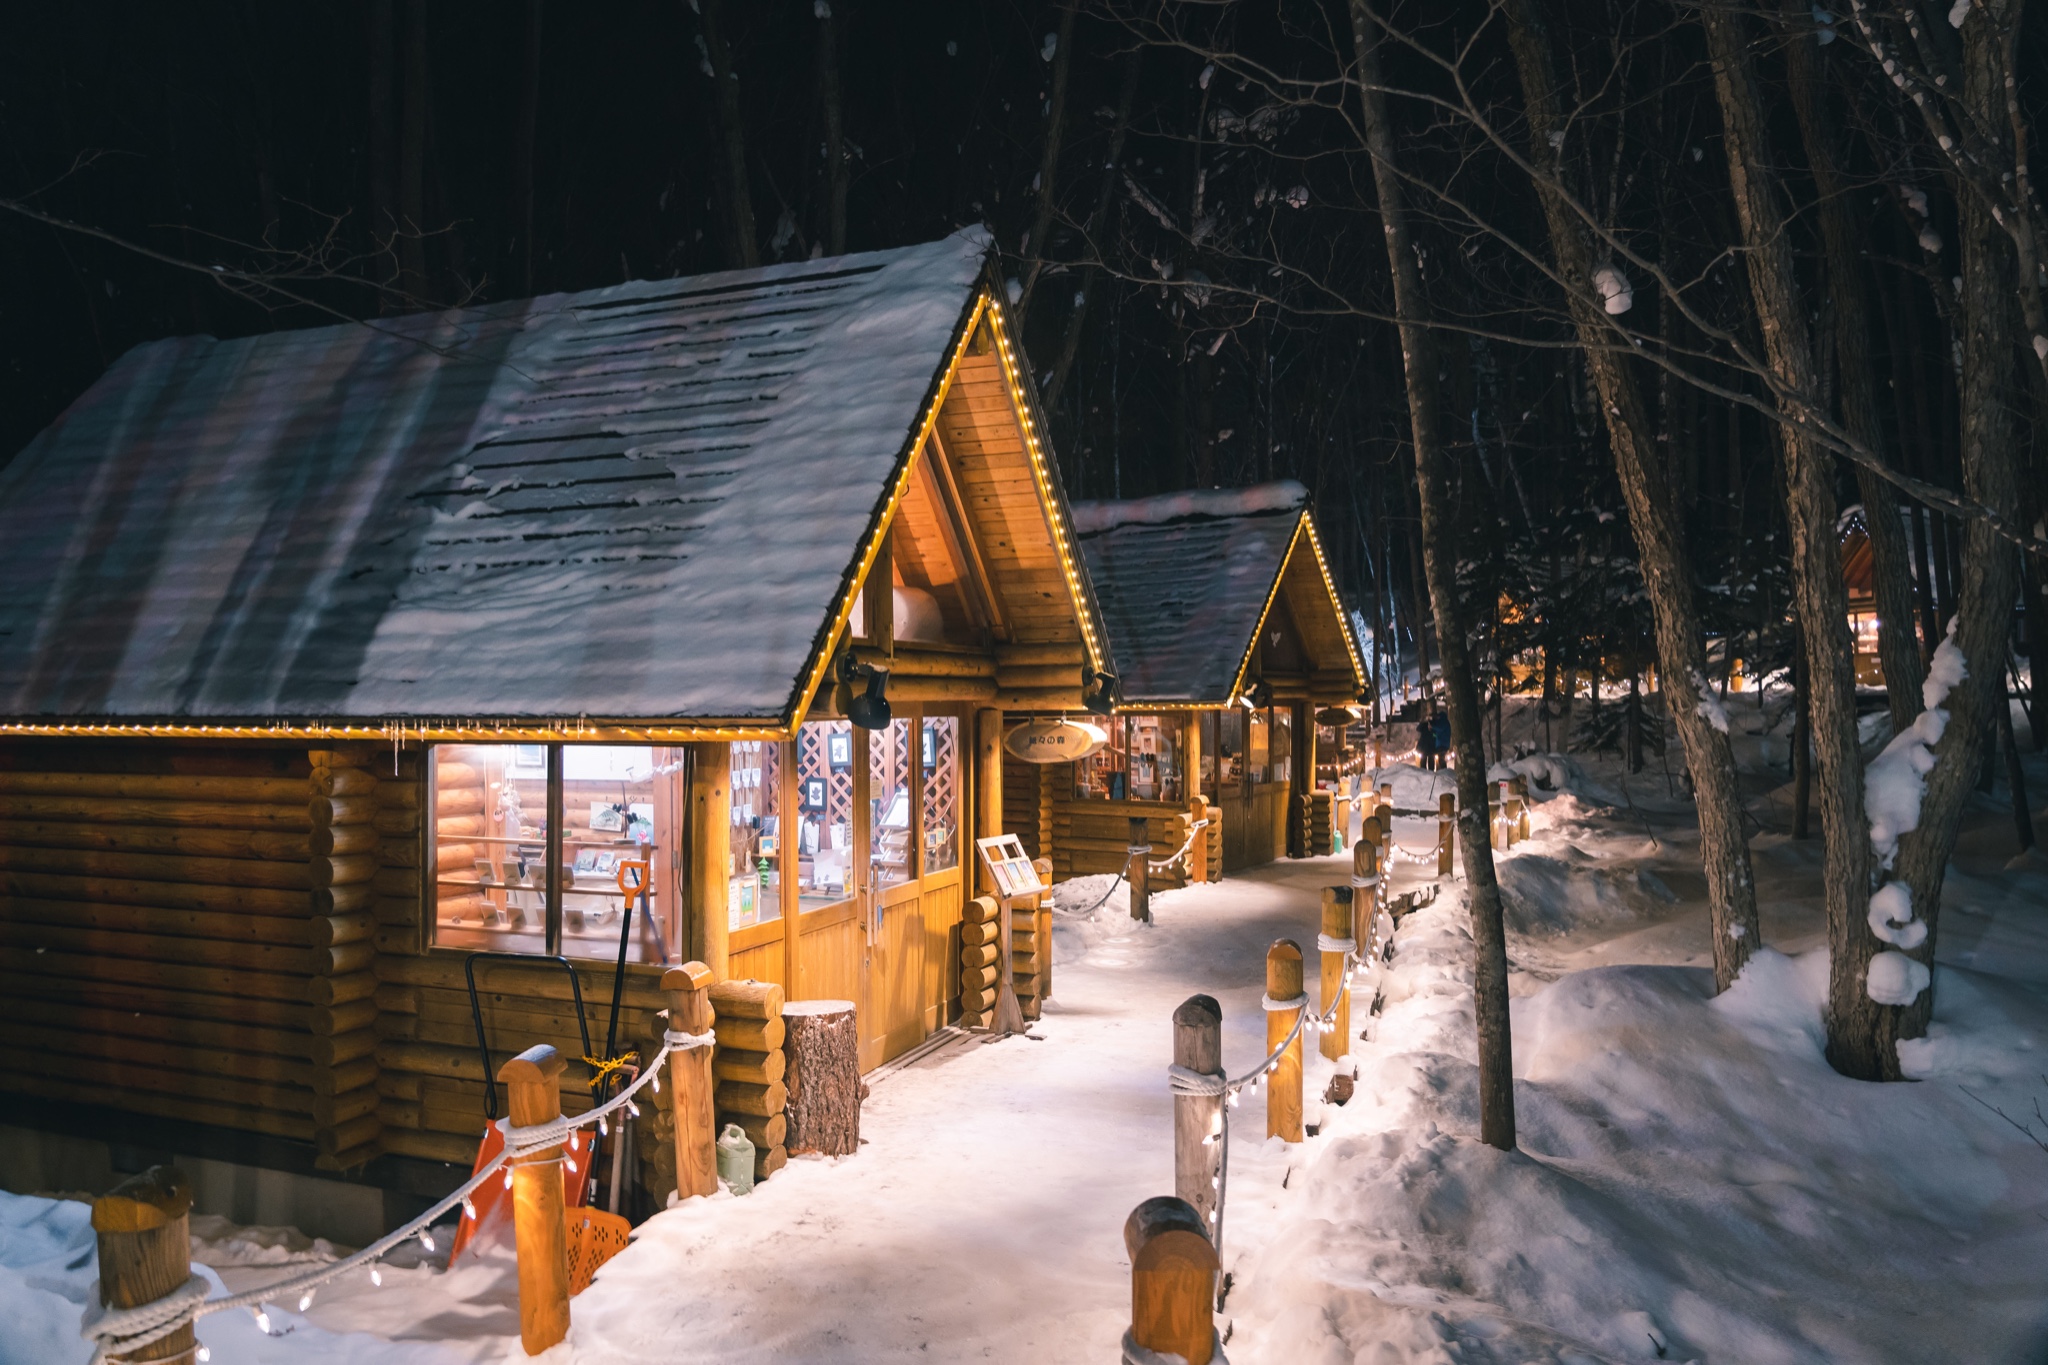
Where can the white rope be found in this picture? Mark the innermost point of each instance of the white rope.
(683, 1042)
(1326, 944)
(1187, 1081)
(1292, 1002)
(1134, 1354)
(1359, 883)
(112, 1328)
(518, 1142)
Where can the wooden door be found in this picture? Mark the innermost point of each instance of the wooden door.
(894, 958)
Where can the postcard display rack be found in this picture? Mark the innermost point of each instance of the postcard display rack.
(1014, 878)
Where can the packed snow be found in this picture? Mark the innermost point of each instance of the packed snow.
(1693, 1181)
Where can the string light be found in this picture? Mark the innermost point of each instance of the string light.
(376, 1277)
(203, 1355)
(427, 1240)
(306, 1300)
(262, 1322)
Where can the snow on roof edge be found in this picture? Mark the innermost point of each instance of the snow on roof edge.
(1092, 518)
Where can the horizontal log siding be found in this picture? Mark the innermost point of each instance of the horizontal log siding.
(159, 947)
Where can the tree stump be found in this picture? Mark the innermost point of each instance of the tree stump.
(823, 1078)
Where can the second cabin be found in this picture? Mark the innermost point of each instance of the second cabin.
(1229, 638)
(666, 621)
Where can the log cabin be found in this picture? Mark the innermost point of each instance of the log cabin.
(1229, 638)
(673, 620)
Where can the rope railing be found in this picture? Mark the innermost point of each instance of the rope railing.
(1187, 846)
(124, 1330)
(1184, 1081)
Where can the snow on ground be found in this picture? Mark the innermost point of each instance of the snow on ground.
(1693, 1182)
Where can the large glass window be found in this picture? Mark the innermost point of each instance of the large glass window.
(1229, 750)
(1280, 743)
(756, 895)
(490, 806)
(941, 793)
(824, 793)
(621, 820)
(1141, 762)
(890, 831)
(620, 832)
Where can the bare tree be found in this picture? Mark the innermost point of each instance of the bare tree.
(742, 241)
(1418, 356)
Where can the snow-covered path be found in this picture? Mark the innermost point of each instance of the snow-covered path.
(984, 1218)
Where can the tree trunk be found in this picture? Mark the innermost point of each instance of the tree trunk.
(1898, 651)
(744, 250)
(522, 152)
(1990, 571)
(1070, 344)
(412, 159)
(1856, 1038)
(1049, 162)
(383, 181)
(1654, 519)
(823, 1077)
(1439, 549)
(2015, 772)
(835, 133)
(1802, 744)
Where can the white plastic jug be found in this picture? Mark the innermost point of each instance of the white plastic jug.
(736, 1159)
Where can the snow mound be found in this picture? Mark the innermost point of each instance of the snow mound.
(1552, 896)
(1692, 1180)
(1281, 496)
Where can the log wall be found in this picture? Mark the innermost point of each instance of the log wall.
(1092, 836)
(184, 934)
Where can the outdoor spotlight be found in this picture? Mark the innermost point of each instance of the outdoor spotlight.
(1099, 691)
(1261, 694)
(870, 710)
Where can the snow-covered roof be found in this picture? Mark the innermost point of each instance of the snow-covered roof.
(635, 502)
(1183, 581)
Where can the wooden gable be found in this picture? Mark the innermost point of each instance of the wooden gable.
(1304, 648)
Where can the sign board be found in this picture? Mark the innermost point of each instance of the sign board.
(1009, 866)
(1054, 741)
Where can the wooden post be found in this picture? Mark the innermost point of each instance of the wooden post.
(1198, 1119)
(1303, 778)
(1337, 926)
(707, 841)
(1283, 1085)
(540, 1234)
(1496, 809)
(1446, 832)
(689, 1075)
(988, 786)
(1384, 808)
(1173, 1280)
(1139, 873)
(1191, 762)
(1198, 844)
(1521, 808)
(1043, 867)
(145, 1245)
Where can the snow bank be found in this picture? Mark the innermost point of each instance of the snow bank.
(1693, 1183)
(1550, 895)
(1280, 496)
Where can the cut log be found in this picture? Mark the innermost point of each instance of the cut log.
(751, 1035)
(746, 1000)
(974, 935)
(978, 1001)
(763, 1132)
(341, 810)
(754, 1068)
(825, 1090)
(976, 979)
(344, 782)
(769, 1160)
(333, 839)
(980, 910)
(982, 956)
(738, 1097)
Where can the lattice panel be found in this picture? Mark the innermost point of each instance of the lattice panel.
(942, 790)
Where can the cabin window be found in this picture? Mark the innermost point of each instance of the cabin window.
(824, 789)
(489, 858)
(1141, 761)
(620, 827)
(756, 895)
(890, 791)
(1227, 745)
(1258, 748)
(941, 793)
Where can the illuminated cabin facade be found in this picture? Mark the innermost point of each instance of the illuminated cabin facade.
(1229, 637)
(329, 658)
